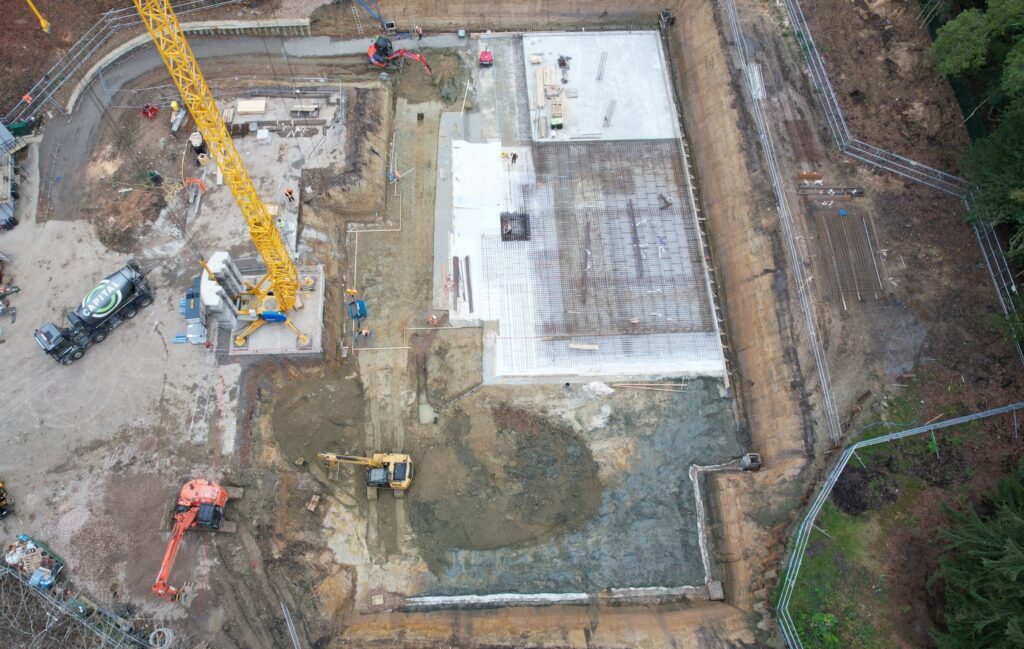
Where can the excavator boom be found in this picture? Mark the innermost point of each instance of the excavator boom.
(333, 459)
(415, 56)
(182, 522)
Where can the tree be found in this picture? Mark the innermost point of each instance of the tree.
(961, 45)
(985, 49)
(995, 163)
(1013, 71)
(1004, 16)
(982, 567)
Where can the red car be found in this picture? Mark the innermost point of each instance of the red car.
(486, 59)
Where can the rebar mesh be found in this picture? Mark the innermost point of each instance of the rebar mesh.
(612, 271)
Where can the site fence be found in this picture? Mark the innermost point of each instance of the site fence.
(68, 67)
(988, 240)
(803, 533)
(30, 617)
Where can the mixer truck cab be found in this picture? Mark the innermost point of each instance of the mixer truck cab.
(117, 298)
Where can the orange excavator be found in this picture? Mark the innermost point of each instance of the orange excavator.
(200, 504)
(381, 55)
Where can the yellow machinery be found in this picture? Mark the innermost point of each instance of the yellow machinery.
(44, 23)
(383, 470)
(269, 303)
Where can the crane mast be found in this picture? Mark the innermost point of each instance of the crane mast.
(282, 274)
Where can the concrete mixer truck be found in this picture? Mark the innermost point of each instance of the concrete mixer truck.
(115, 299)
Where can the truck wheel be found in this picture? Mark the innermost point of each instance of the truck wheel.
(131, 313)
(99, 336)
(146, 301)
(78, 353)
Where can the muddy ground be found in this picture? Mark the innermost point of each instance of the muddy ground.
(938, 303)
(27, 53)
(518, 478)
(888, 84)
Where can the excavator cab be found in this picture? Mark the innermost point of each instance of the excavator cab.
(380, 51)
(210, 516)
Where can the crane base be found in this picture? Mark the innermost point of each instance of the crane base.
(276, 338)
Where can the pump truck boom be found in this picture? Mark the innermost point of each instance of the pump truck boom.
(115, 299)
(277, 292)
(383, 470)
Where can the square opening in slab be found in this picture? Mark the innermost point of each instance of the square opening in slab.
(515, 226)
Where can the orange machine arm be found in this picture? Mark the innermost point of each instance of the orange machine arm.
(182, 522)
(419, 58)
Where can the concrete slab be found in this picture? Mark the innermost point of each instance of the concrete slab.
(607, 277)
(616, 85)
(646, 534)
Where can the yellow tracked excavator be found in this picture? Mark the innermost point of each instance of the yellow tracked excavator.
(383, 470)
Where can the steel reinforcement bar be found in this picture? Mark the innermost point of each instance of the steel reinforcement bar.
(803, 533)
(803, 288)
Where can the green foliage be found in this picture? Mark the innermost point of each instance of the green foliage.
(1005, 16)
(985, 50)
(996, 164)
(1013, 71)
(823, 630)
(839, 596)
(982, 568)
(1013, 326)
(962, 44)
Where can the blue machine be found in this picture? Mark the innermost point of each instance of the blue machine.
(357, 310)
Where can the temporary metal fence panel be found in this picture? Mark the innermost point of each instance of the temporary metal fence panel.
(803, 533)
(803, 288)
(67, 67)
(45, 621)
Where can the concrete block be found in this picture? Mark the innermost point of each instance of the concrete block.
(715, 591)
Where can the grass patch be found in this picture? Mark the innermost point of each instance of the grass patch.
(840, 600)
(842, 597)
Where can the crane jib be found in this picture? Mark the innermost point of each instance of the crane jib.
(169, 40)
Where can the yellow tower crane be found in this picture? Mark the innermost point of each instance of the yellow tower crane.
(269, 304)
